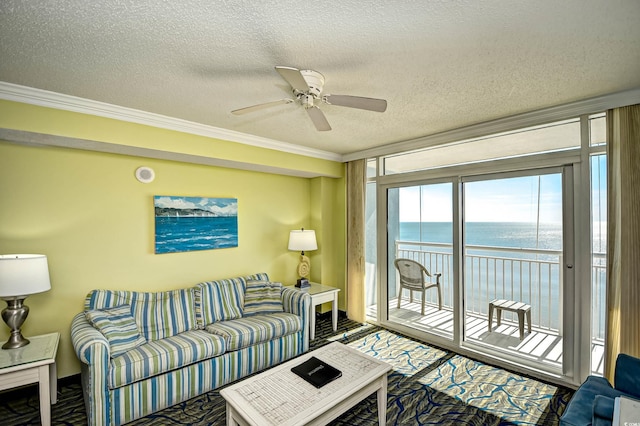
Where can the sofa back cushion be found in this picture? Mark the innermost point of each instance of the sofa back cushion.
(220, 300)
(158, 315)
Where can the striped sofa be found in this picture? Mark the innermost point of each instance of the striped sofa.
(182, 343)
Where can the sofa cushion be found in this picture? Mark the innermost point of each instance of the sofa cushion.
(221, 300)
(118, 326)
(262, 297)
(158, 315)
(243, 332)
(603, 407)
(164, 355)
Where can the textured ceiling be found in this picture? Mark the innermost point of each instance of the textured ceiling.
(440, 64)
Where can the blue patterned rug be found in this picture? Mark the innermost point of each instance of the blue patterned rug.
(431, 386)
(427, 386)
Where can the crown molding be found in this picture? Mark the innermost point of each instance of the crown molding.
(45, 98)
(533, 118)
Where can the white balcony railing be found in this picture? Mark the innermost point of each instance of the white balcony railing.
(532, 276)
(598, 296)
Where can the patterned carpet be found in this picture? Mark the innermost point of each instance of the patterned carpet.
(427, 386)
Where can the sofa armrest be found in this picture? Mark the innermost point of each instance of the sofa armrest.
(627, 375)
(92, 349)
(88, 342)
(603, 407)
(298, 303)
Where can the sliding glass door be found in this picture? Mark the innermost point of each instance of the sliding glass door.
(456, 246)
(513, 265)
(420, 254)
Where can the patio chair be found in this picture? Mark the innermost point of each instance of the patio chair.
(412, 277)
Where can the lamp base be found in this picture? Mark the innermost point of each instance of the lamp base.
(302, 283)
(14, 315)
(16, 341)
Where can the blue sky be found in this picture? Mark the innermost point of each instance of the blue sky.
(502, 200)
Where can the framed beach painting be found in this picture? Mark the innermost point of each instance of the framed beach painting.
(195, 223)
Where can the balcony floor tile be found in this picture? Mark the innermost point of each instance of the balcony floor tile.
(539, 346)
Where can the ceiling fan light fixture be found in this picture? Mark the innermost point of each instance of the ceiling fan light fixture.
(314, 80)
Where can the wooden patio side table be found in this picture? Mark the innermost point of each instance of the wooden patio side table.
(519, 308)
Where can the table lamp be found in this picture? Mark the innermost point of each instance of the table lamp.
(20, 276)
(300, 241)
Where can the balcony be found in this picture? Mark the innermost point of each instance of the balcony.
(532, 276)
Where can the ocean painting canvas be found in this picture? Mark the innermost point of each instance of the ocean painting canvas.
(195, 223)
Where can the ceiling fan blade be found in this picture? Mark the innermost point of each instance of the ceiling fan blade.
(260, 106)
(370, 104)
(318, 118)
(294, 78)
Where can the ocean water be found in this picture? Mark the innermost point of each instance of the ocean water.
(546, 236)
(178, 234)
(498, 234)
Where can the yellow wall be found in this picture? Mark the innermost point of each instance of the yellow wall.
(327, 206)
(87, 212)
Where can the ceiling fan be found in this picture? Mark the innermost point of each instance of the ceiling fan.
(307, 91)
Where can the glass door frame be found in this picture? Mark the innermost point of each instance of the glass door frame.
(384, 260)
(569, 163)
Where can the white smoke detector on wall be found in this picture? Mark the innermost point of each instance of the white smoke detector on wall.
(145, 174)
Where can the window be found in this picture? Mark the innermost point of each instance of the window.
(548, 138)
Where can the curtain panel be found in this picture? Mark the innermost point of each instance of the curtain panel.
(623, 235)
(356, 182)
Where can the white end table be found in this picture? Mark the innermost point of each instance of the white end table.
(33, 363)
(321, 294)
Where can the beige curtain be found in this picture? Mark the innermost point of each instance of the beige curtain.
(355, 239)
(623, 235)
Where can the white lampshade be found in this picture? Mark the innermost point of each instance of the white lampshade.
(23, 274)
(301, 240)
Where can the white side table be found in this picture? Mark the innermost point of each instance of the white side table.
(321, 294)
(33, 363)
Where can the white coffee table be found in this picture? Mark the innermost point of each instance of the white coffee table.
(34, 363)
(279, 397)
(320, 294)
